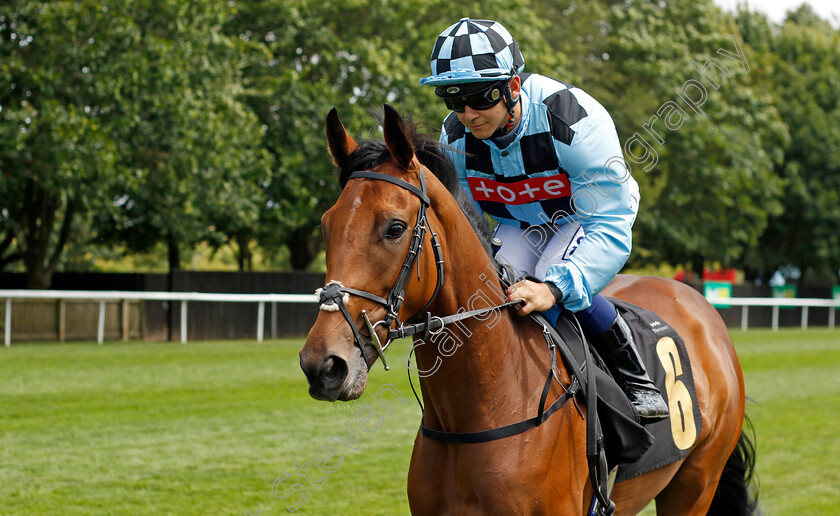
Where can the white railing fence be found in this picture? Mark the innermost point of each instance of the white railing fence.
(777, 302)
(261, 299)
(183, 297)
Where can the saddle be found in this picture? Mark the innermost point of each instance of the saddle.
(638, 449)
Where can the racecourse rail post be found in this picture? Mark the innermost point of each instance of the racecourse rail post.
(100, 327)
(184, 321)
(260, 320)
(8, 332)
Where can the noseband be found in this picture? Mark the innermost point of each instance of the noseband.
(334, 295)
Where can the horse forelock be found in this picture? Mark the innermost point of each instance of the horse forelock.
(432, 155)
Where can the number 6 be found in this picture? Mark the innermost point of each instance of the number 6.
(679, 400)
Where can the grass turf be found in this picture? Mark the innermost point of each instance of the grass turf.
(206, 428)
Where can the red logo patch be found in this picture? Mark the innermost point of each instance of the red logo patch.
(520, 192)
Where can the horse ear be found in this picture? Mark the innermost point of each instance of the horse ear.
(341, 144)
(396, 138)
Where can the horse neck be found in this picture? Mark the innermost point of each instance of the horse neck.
(476, 370)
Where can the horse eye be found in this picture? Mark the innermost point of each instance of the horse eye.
(395, 230)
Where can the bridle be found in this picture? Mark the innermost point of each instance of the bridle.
(334, 295)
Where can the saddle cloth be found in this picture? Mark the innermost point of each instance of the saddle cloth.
(635, 448)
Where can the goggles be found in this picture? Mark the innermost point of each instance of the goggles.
(478, 100)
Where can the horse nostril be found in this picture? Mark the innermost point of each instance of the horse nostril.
(333, 371)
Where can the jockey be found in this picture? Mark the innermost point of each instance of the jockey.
(543, 159)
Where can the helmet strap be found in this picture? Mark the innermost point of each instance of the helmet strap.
(511, 103)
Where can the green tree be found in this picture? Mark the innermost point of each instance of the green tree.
(806, 85)
(712, 188)
(57, 158)
(192, 147)
(354, 56)
(130, 112)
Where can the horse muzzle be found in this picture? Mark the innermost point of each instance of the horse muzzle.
(332, 377)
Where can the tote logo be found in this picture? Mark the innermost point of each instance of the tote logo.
(520, 192)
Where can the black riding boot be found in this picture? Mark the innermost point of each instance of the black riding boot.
(618, 350)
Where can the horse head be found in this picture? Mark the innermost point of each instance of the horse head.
(371, 254)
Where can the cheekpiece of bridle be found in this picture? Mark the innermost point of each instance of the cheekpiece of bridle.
(334, 295)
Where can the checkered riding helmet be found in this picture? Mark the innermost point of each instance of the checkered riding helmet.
(474, 51)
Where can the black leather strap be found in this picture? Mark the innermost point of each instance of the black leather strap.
(391, 179)
(496, 433)
(333, 291)
(356, 335)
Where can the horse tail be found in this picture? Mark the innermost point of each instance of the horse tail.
(736, 493)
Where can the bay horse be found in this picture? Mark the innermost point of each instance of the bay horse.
(491, 373)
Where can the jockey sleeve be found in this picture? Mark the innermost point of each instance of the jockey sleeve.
(565, 164)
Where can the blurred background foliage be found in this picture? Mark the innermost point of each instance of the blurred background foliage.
(152, 135)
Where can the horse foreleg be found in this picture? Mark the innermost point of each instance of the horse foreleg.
(429, 482)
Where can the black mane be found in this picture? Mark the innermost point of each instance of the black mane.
(431, 153)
